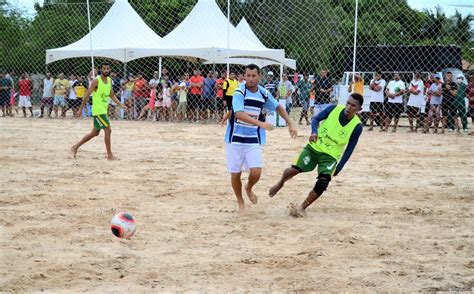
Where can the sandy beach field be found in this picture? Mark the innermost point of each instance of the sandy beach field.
(399, 217)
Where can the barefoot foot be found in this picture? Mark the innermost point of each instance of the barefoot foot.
(296, 212)
(73, 151)
(251, 195)
(275, 189)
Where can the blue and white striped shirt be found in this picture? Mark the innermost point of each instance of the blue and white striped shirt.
(239, 132)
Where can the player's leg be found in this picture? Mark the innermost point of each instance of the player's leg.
(93, 133)
(254, 177)
(237, 187)
(252, 162)
(305, 162)
(235, 161)
(326, 167)
(108, 143)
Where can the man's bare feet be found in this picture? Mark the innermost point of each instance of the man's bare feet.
(252, 197)
(296, 211)
(73, 151)
(112, 157)
(275, 189)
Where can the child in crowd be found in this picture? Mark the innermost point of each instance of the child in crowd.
(183, 101)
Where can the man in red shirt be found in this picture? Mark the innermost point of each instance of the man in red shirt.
(24, 85)
(470, 96)
(140, 93)
(195, 97)
(220, 107)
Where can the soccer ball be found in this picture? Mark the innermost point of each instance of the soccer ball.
(123, 225)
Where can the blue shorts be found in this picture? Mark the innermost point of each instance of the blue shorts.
(59, 101)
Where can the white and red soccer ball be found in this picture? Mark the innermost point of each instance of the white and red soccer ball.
(123, 225)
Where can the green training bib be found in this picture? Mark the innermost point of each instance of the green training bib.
(332, 136)
(100, 98)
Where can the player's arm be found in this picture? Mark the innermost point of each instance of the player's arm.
(241, 115)
(350, 148)
(115, 99)
(238, 108)
(291, 126)
(225, 118)
(87, 95)
(317, 119)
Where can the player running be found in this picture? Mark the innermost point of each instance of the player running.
(341, 128)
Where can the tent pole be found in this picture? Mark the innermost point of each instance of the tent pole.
(160, 63)
(90, 34)
(228, 37)
(124, 70)
(355, 39)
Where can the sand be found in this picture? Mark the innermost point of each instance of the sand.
(398, 218)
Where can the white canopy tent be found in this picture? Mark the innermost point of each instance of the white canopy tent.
(245, 28)
(203, 34)
(116, 36)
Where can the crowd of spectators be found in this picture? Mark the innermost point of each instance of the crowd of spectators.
(437, 102)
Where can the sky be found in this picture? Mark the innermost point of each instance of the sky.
(447, 5)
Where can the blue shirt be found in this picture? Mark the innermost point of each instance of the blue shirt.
(242, 133)
(208, 88)
(343, 120)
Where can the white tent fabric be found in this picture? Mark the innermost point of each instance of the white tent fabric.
(115, 36)
(245, 28)
(203, 34)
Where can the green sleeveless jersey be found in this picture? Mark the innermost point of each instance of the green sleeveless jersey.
(332, 136)
(100, 98)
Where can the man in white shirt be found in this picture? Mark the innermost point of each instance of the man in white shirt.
(394, 91)
(47, 99)
(377, 110)
(415, 101)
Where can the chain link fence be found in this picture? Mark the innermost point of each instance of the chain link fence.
(392, 39)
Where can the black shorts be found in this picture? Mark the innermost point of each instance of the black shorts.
(208, 103)
(74, 103)
(447, 108)
(228, 100)
(193, 101)
(413, 110)
(394, 110)
(377, 107)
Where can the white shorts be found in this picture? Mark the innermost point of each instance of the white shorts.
(243, 157)
(25, 101)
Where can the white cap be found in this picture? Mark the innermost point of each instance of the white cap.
(460, 76)
(182, 84)
(270, 73)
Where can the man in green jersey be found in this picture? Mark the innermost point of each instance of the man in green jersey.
(101, 89)
(337, 136)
